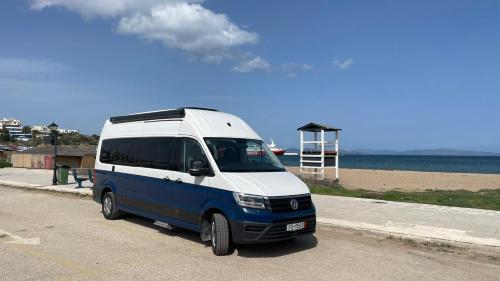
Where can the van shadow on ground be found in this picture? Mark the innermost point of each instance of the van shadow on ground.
(275, 249)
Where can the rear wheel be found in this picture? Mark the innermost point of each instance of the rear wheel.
(221, 236)
(109, 209)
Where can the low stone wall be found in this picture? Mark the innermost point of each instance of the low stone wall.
(311, 178)
(32, 161)
(88, 161)
(43, 161)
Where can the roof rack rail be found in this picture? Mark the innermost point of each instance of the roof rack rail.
(165, 114)
(157, 115)
(199, 108)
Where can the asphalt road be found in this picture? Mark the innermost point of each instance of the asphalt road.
(55, 237)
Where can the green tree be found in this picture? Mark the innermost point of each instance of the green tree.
(35, 133)
(4, 135)
(26, 130)
(94, 139)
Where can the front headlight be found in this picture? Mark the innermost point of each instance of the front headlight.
(251, 201)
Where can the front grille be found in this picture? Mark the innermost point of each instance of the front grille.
(277, 231)
(282, 204)
(255, 228)
(254, 231)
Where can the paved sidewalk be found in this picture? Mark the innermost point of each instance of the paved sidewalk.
(41, 180)
(406, 220)
(410, 220)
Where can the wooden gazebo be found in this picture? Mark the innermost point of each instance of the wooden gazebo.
(319, 154)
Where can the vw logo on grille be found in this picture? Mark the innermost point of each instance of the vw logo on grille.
(294, 204)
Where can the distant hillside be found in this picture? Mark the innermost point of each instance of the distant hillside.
(292, 150)
(429, 152)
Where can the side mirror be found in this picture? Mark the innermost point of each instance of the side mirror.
(197, 169)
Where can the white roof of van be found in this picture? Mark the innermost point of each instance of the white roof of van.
(197, 122)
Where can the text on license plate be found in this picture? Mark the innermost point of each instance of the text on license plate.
(295, 226)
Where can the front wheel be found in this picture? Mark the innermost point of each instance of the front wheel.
(221, 236)
(109, 209)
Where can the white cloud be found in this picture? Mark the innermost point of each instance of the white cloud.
(23, 87)
(292, 69)
(36, 79)
(189, 27)
(104, 8)
(20, 66)
(306, 66)
(180, 24)
(342, 64)
(257, 63)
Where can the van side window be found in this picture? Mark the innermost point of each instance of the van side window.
(157, 153)
(120, 153)
(105, 156)
(191, 151)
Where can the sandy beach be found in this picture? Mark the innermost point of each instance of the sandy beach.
(383, 180)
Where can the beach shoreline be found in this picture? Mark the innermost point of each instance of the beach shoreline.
(385, 180)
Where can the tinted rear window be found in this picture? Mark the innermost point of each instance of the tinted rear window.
(158, 153)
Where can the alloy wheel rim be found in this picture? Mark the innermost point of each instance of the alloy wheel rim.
(213, 234)
(107, 205)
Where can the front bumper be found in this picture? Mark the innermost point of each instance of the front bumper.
(245, 232)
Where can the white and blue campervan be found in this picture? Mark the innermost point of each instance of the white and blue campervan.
(202, 170)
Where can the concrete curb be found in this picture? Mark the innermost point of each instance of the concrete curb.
(418, 233)
(51, 188)
(19, 184)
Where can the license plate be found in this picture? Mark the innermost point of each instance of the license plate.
(295, 226)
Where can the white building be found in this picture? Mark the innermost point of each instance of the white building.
(13, 126)
(45, 131)
(15, 129)
(40, 128)
(11, 122)
(67, 131)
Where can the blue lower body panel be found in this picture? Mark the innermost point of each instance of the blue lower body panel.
(184, 205)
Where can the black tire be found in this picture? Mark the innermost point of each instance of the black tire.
(221, 236)
(109, 210)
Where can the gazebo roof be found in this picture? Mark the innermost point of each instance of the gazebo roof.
(315, 127)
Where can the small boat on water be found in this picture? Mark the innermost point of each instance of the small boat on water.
(276, 150)
(255, 150)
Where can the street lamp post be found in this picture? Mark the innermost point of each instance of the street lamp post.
(53, 130)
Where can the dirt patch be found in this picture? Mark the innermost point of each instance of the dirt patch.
(384, 180)
(415, 247)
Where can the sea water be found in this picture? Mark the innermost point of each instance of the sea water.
(453, 164)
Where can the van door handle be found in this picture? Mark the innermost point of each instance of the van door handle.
(178, 180)
(167, 179)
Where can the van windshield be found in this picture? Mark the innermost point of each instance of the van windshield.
(243, 155)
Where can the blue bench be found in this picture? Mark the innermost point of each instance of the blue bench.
(80, 176)
(91, 176)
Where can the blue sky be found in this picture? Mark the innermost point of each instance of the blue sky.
(393, 74)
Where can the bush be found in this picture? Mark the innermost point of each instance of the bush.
(4, 163)
(488, 199)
